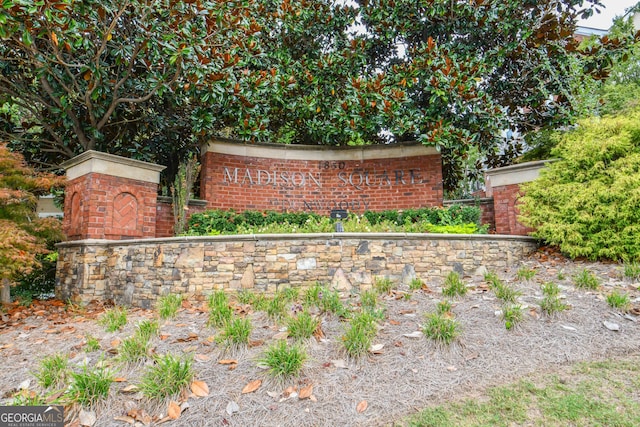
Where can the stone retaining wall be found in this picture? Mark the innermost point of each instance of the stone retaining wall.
(137, 272)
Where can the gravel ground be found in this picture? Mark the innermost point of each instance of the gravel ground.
(404, 376)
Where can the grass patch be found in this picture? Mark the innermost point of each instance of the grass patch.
(90, 385)
(551, 302)
(618, 300)
(168, 306)
(525, 273)
(168, 376)
(245, 296)
(505, 293)
(415, 284)
(235, 333)
(444, 307)
(585, 279)
(512, 315)
(453, 286)
(598, 394)
(53, 371)
(302, 326)
(284, 360)
(114, 319)
(219, 310)
(330, 303)
(277, 306)
(147, 329)
(442, 328)
(91, 343)
(631, 270)
(133, 349)
(383, 285)
(359, 336)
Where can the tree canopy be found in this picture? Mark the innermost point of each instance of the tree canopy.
(152, 79)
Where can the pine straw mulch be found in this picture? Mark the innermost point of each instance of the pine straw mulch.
(407, 374)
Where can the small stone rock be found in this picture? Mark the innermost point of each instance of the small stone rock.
(232, 408)
(611, 326)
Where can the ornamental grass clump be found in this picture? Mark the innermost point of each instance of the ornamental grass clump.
(53, 371)
(168, 305)
(359, 336)
(168, 376)
(619, 300)
(586, 279)
(114, 319)
(235, 332)
(90, 385)
(302, 325)
(453, 286)
(284, 360)
(551, 302)
(219, 310)
(442, 328)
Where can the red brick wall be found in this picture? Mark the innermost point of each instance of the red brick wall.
(506, 210)
(255, 183)
(164, 218)
(101, 206)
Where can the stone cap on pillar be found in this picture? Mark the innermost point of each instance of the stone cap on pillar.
(514, 174)
(109, 164)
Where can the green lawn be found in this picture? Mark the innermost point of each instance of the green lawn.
(589, 394)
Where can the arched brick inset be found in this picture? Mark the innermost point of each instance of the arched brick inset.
(125, 212)
(75, 214)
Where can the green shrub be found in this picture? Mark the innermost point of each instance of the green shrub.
(454, 219)
(587, 202)
(302, 325)
(168, 305)
(441, 327)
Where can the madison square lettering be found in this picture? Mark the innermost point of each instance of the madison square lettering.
(297, 178)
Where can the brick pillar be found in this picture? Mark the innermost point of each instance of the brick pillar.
(503, 184)
(110, 197)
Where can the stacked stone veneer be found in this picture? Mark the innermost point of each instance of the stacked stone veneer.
(281, 177)
(138, 272)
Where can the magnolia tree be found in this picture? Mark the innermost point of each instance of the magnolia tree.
(152, 79)
(24, 236)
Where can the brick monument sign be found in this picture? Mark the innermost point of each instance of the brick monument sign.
(244, 176)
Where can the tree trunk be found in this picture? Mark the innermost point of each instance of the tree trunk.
(5, 291)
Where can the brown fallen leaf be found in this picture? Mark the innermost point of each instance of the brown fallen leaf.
(125, 419)
(252, 386)
(255, 343)
(306, 392)
(115, 342)
(394, 322)
(202, 357)
(228, 362)
(200, 388)
(174, 411)
(362, 406)
(119, 380)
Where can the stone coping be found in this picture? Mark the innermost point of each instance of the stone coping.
(478, 200)
(300, 236)
(317, 152)
(109, 164)
(192, 202)
(514, 174)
